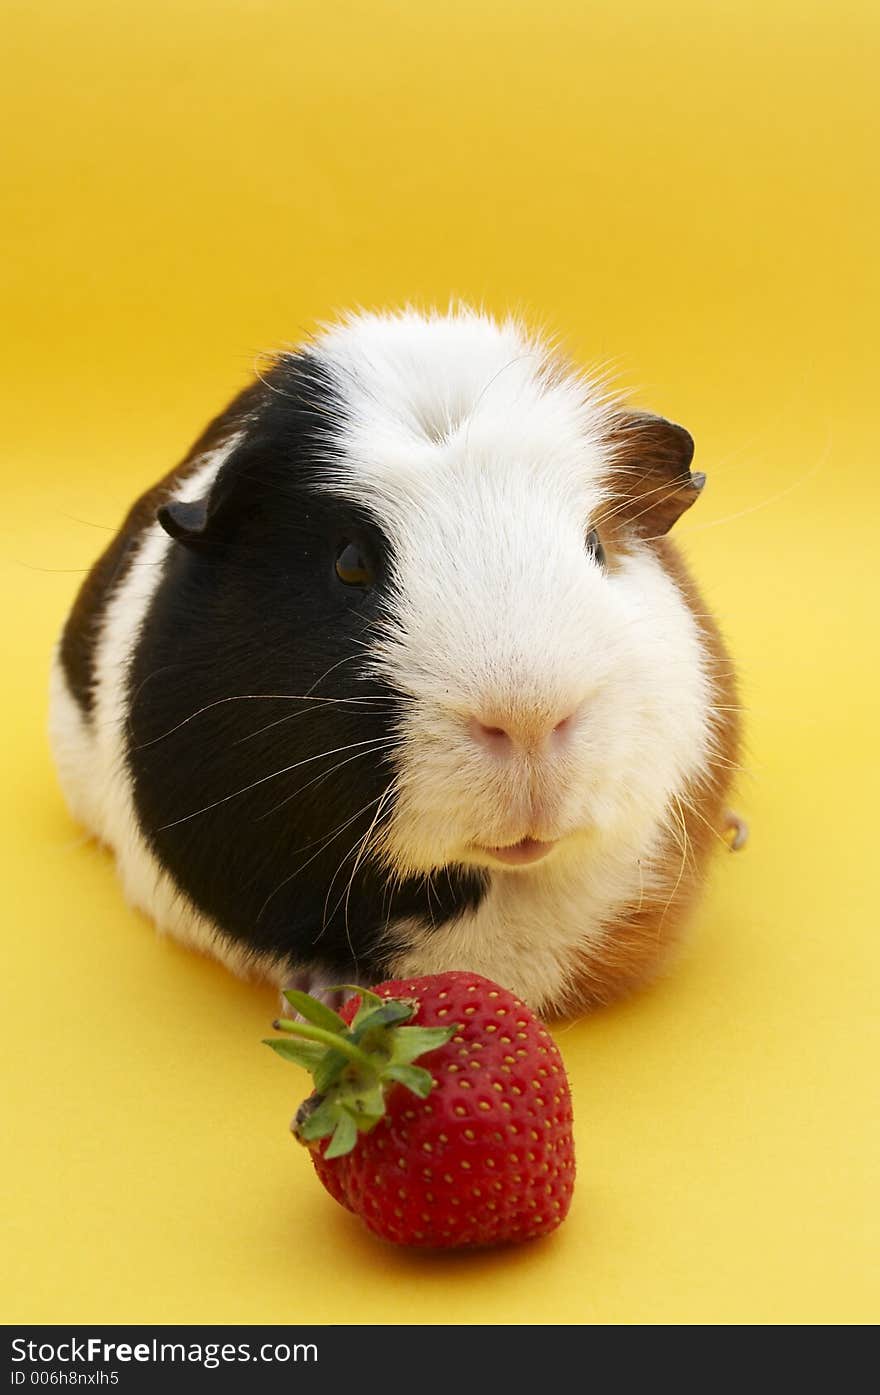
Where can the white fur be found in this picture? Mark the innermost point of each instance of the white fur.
(485, 462)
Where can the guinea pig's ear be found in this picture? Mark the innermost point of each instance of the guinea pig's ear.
(651, 476)
(204, 521)
(187, 523)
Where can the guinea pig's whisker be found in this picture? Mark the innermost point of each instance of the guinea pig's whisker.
(717, 759)
(332, 669)
(685, 831)
(322, 755)
(362, 852)
(324, 844)
(647, 494)
(331, 838)
(352, 850)
(306, 786)
(673, 824)
(290, 716)
(689, 805)
(381, 801)
(771, 499)
(685, 848)
(428, 879)
(49, 571)
(87, 522)
(519, 358)
(641, 886)
(625, 502)
(249, 697)
(382, 743)
(392, 882)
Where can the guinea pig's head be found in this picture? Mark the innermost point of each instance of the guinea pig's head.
(468, 576)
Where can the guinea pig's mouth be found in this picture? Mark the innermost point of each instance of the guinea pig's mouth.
(519, 854)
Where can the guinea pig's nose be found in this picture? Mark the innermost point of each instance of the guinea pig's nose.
(502, 736)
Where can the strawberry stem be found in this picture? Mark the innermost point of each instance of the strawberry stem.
(332, 1039)
(354, 1066)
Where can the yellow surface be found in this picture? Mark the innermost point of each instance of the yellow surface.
(688, 189)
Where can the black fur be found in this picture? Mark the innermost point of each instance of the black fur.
(249, 609)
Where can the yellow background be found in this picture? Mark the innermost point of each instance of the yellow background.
(688, 189)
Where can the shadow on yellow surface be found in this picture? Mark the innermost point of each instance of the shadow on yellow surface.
(688, 191)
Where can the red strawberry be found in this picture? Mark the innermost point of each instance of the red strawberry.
(473, 1146)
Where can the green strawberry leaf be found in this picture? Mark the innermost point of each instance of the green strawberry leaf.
(315, 1012)
(307, 1054)
(329, 1069)
(368, 998)
(410, 1042)
(319, 1122)
(344, 1137)
(421, 1082)
(367, 1105)
(353, 1068)
(387, 1014)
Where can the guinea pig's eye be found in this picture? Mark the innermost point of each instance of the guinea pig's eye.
(353, 566)
(595, 550)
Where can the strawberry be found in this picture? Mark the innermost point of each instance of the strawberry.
(472, 1146)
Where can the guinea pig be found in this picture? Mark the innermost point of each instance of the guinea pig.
(398, 672)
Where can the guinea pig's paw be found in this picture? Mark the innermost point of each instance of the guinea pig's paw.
(737, 826)
(318, 984)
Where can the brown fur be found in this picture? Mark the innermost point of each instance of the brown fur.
(645, 934)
